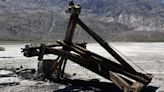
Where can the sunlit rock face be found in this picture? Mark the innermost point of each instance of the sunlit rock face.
(138, 22)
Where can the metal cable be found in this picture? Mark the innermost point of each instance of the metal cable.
(127, 58)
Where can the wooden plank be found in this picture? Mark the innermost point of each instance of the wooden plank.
(106, 62)
(124, 85)
(109, 65)
(121, 83)
(93, 66)
(42, 52)
(137, 87)
(55, 64)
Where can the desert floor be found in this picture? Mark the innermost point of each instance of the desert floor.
(148, 56)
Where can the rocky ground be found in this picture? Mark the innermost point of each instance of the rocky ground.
(149, 56)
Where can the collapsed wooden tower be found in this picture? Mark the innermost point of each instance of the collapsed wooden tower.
(123, 75)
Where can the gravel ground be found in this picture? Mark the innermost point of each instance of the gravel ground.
(149, 56)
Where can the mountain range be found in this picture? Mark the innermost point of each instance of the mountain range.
(114, 20)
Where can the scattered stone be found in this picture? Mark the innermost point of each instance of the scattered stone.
(2, 49)
(74, 74)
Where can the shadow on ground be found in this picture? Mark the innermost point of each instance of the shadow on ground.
(93, 86)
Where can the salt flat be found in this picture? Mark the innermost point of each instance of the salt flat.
(149, 56)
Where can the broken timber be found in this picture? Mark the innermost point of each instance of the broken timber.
(133, 82)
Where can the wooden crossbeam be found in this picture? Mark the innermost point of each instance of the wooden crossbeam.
(101, 69)
(104, 61)
(108, 65)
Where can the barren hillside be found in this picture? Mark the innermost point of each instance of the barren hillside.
(114, 20)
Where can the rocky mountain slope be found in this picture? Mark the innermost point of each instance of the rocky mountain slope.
(114, 20)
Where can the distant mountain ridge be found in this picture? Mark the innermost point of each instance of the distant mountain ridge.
(101, 7)
(114, 20)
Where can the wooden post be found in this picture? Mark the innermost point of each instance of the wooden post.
(75, 11)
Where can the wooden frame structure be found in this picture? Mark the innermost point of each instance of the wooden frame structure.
(122, 74)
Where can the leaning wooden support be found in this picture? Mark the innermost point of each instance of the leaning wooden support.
(121, 74)
(98, 65)
(105, 45)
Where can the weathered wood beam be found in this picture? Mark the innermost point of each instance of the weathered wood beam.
(70, 32)
(110, 66)
(104, 61)
(100, 69)
(106, 46)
